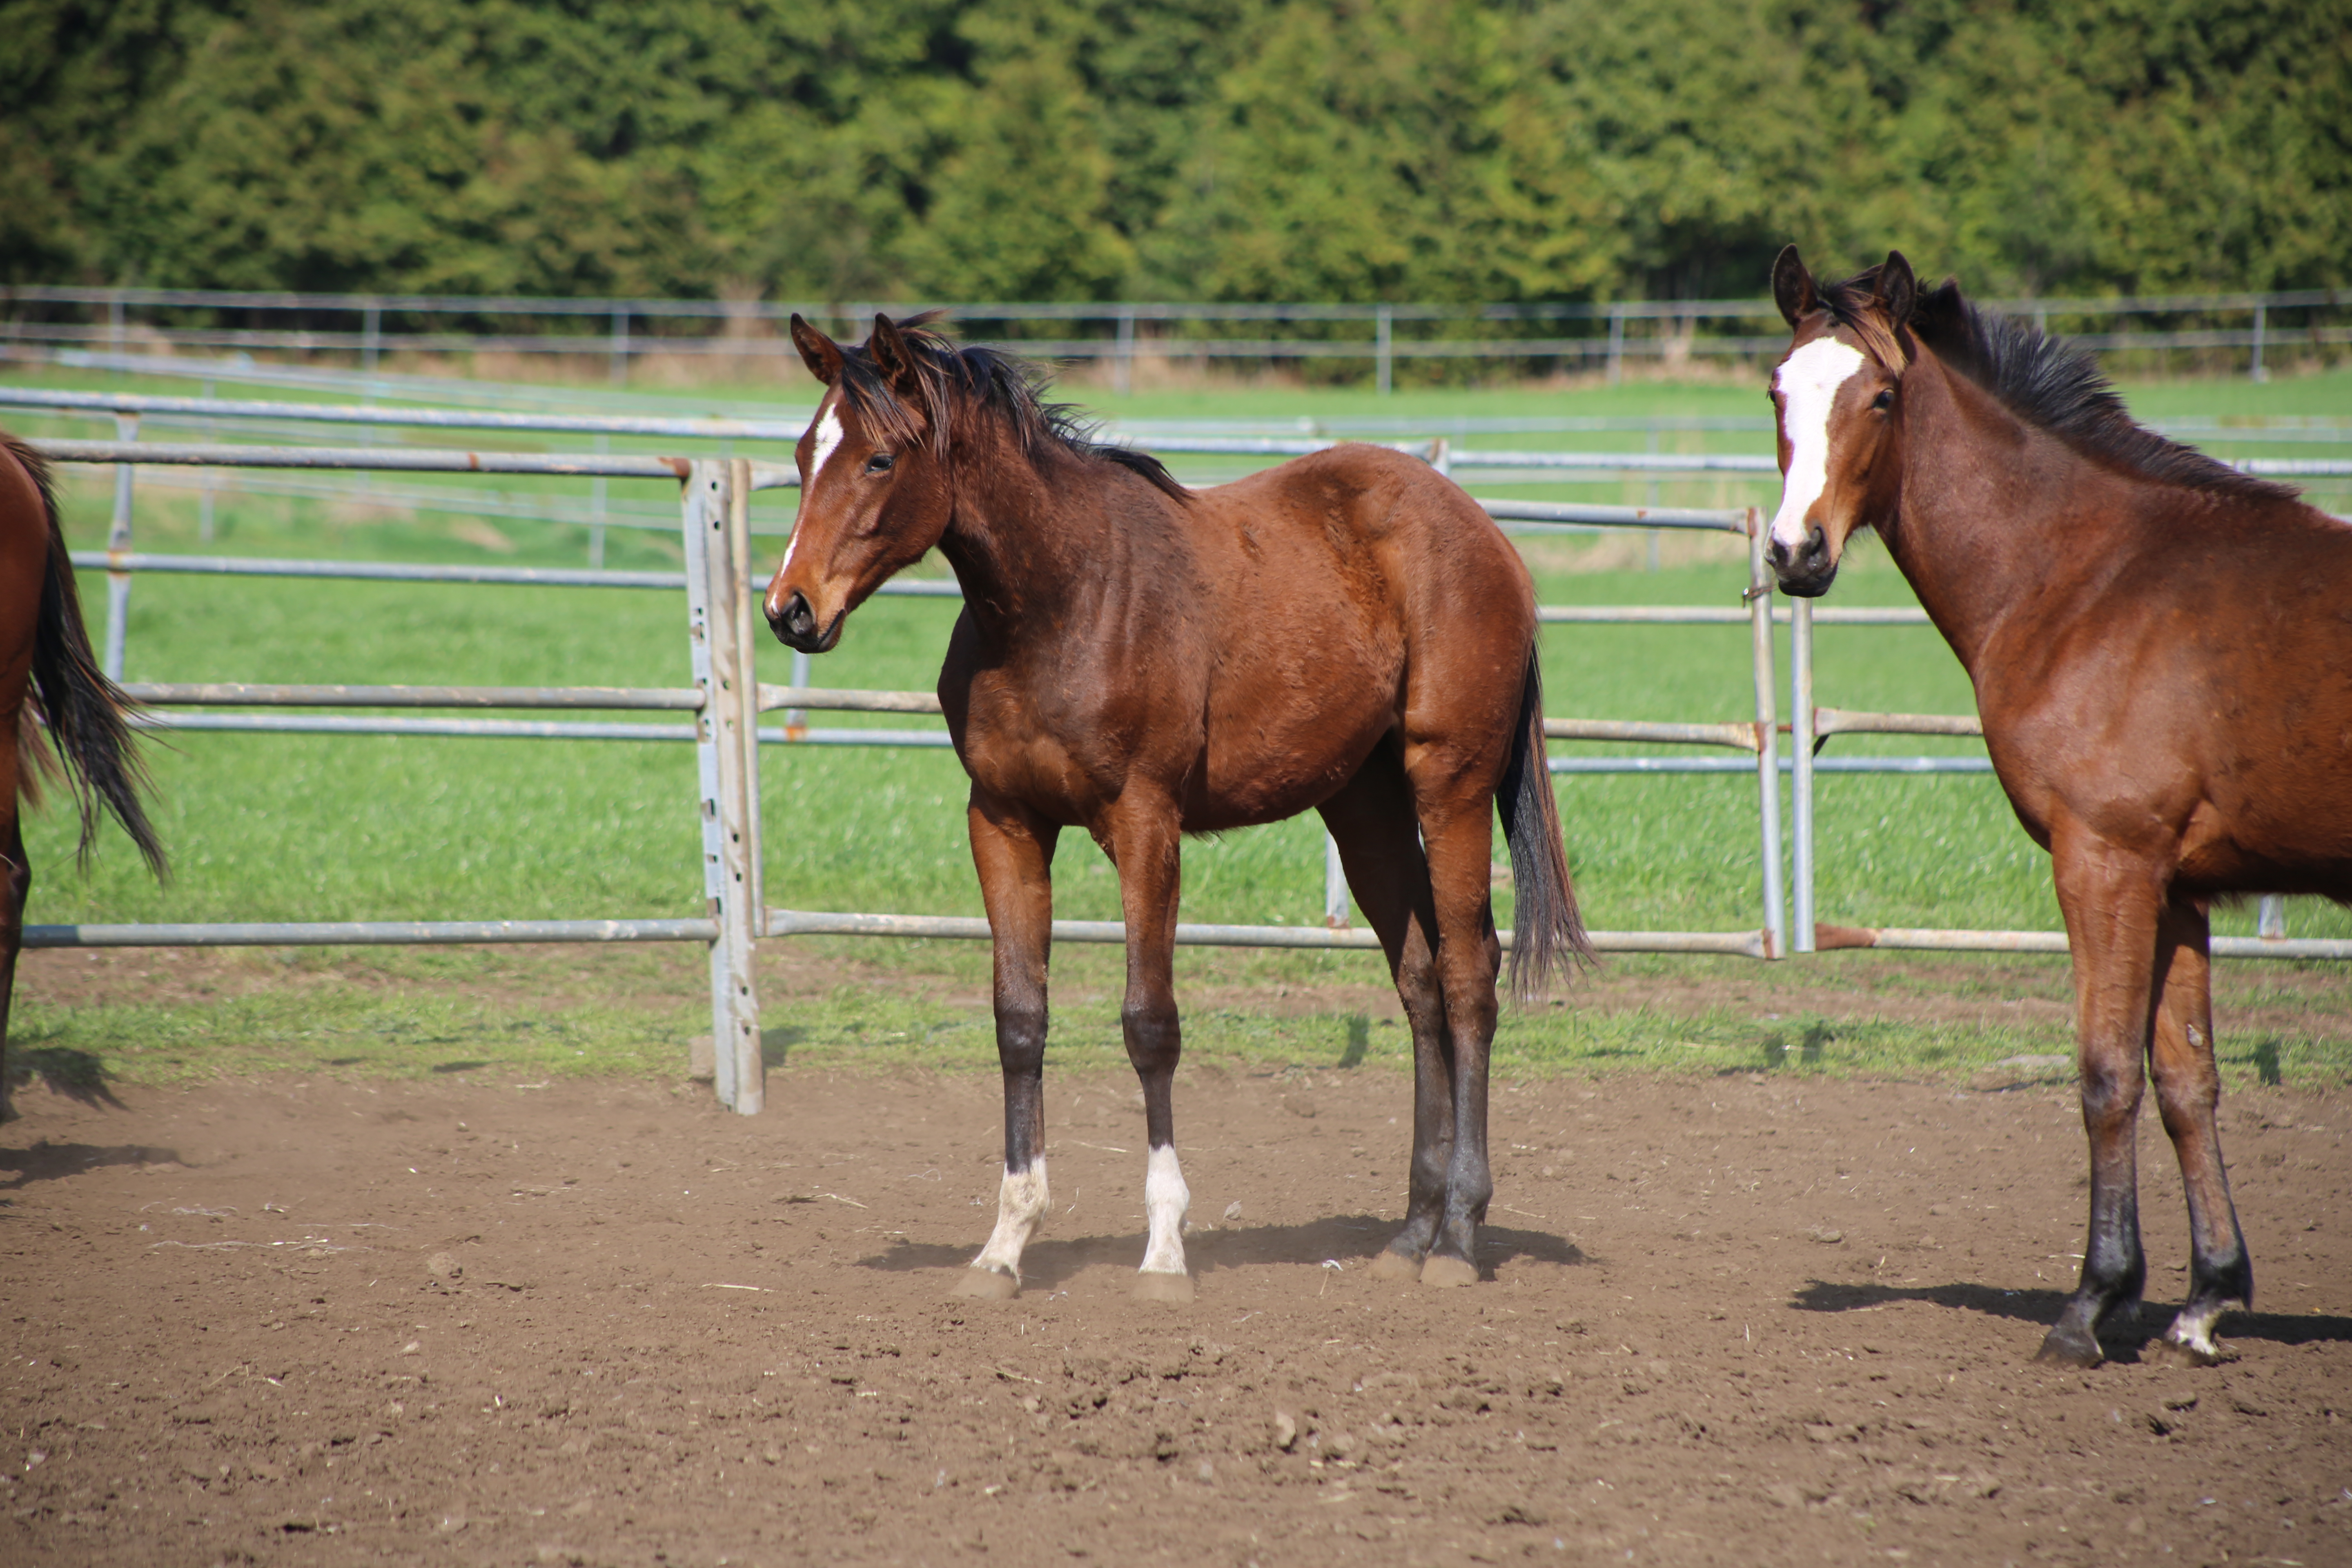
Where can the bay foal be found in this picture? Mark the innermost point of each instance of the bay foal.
(48, 675)
(1348, 633)
(2161, 648)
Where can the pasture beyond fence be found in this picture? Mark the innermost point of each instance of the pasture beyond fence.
(725, 701)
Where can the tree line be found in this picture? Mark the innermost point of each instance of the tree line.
(1227, 150)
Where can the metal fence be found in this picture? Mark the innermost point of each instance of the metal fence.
(1117, 334)
(725, 701)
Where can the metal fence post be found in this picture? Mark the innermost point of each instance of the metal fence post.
(1767, 737)
(117, 542)
(747, 641)
(1616, 344)
(1335, 886)
(370, 334)
(739, 1071)
(2270, 924)
(620, 371)
(1801, 782)
(1122, 364)
(1384, 340)
(2262, 324)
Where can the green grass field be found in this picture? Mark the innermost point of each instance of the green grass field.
(312, 827)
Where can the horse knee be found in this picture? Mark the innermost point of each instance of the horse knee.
(2111, 1090)
(1154, 1037)
(1021, 1039)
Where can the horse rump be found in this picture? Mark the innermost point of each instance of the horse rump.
(1548, 932)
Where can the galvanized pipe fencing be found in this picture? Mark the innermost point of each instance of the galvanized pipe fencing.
(726, 698)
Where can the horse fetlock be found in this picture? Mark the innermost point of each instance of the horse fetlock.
(1023, 1200)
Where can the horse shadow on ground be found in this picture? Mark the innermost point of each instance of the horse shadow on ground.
(2123, 1336)
(1351, 1241)
(48, 1161)
(77, 1075)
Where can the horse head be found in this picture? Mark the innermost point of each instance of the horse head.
(874, 494)
(1837, 399)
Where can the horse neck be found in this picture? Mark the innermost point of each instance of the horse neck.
(1020, 535)
(1992, 510)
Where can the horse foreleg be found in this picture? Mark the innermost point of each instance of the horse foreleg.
(1371, 821)
(15, 886)
(2111, 899)
(1014, 851)
(1459, 844)
(1145, 843)
(2188, 1095)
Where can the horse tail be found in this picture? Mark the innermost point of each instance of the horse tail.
(87, 714)
(1550, 934)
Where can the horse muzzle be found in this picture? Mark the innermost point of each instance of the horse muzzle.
(795, 624)
(1806, 572)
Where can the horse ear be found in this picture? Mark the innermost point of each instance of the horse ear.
(1793, 287)
(894, 359)
(1898, 291)
(819, 353)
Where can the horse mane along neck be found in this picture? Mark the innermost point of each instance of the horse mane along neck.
(2047, 382)
(956, 384)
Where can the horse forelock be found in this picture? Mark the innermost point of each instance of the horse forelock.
(1854, 305)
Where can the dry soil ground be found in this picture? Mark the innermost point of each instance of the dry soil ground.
(1729, 1319)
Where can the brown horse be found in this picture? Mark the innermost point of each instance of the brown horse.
(45, 655)
(1348, 632)
(2163, 661)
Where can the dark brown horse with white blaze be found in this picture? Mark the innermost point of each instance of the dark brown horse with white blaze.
(49, 676)
(1348, 633)
(2163, 661)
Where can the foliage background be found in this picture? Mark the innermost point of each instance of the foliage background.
(1433, 150)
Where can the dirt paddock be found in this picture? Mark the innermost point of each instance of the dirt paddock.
(1736, 1319)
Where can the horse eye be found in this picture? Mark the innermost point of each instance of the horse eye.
(879, 463)
(1884, 400)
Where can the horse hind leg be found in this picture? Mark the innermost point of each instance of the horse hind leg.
(2187, 1096)
(1371, 821)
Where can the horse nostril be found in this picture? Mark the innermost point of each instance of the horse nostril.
(796, 618)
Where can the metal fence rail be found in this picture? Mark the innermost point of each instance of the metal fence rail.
(725, 700)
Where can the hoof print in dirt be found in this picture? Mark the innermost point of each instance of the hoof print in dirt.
(985, 1285)
(1396, 1267)
(1445, 1273)
(1154, 1285)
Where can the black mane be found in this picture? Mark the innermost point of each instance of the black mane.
(1004, 386)
(2051, 383)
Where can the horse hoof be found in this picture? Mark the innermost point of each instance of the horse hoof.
(1396, 1267)
(2173, 1352)
(985, 1285)
(2065, 1348)
(1154, 1285)
(1448, 1272)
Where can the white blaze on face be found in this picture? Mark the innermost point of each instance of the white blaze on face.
(1807, 382)
(827, 439)
(1165, 1199)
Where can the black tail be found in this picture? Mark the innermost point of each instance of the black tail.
(84, 711)
(1550, 934)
